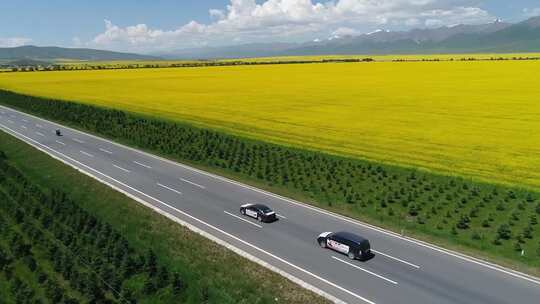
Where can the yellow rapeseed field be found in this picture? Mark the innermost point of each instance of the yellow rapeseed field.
(408, 57)
(476, 119)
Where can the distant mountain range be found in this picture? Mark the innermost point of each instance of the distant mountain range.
(496, 37)
(57, 53)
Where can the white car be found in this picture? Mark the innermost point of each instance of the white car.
(258, 211)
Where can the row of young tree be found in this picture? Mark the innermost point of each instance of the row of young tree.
(477, 214)
(500, 58)
(212, 63)
(71, 256)
(165, 64)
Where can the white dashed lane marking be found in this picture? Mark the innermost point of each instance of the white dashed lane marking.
(120, 168)
(169, 188)
(142, 165)
(105, 151)
(396, 259)
(87, 154)
(192, 183)
(236, 216)
(365, 270)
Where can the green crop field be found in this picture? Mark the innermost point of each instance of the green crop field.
(477, 119)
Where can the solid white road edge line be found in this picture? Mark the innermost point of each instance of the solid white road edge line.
(41, 147)
(103, 150)
(169, 188)
(142, 165)
(86, 153)
(192, 183)
(236, 216)
(396, 259)
(365, 270)
(120, 168)
(420, 243)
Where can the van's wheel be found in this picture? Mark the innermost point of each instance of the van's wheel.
(351, 255)
(322, 243)
(243, 211)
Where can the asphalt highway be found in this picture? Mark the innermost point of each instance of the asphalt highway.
(403, 270)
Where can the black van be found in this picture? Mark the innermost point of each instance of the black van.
(354, 246)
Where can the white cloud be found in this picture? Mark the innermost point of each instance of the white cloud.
(216, 14)
(434, 23)
(412, 22)
(140, 36)
(531, 12)
(14, 41)
(77, 42)
(345, 31)
(292, 20)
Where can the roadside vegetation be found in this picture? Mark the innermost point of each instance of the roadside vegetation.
(53, 249)
(87, 243)
(492, 221)
(430, 115)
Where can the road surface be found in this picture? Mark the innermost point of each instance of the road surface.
(403, 270)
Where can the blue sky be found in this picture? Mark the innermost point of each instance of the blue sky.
(59, 21)
(160, 25)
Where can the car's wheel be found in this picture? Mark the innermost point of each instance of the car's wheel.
(259, 218)
(322, 243)
(351, 255)
(243, 211)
